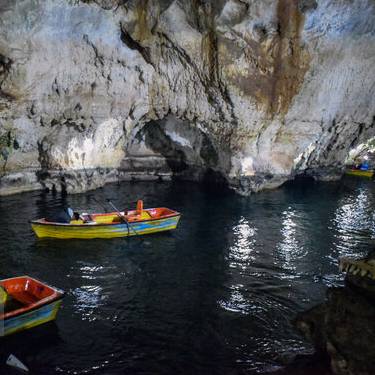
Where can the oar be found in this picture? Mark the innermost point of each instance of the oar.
(99, 203)
(122, 217)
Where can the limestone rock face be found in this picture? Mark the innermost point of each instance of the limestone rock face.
(253, 91)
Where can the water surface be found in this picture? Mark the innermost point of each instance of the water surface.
(215, 296)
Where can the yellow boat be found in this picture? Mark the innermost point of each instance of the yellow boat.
(360, 173)
(111, 225)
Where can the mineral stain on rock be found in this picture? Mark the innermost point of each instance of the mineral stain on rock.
(142, 29)
(277, 61)
(291, 59)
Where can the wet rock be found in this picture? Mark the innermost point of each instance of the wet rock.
(343, 327)
(255, 91)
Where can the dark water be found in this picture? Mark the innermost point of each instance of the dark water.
(215, 296)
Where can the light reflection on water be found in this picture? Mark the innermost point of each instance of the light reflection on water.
(290, 248)
(353, 223)
(216, 296)
(88, 300)
(241, 252)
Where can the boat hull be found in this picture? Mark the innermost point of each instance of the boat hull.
(30, 319)
(87, 231)
(29, 303)
(359, 173)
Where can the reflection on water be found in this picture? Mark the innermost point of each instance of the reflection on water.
(289, 248)
(88, 300)
(243, 246)
(216, 296)
(237, 302)
(354, 222)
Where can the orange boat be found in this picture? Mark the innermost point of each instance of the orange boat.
(29, 303)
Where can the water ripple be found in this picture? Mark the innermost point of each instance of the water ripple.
(216, 296)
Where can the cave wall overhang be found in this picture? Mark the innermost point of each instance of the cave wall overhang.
(256, 91)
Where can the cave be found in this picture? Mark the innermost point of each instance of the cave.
(173, 148)
(249, 121)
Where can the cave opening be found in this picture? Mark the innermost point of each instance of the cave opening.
(172, 148)
(301, 179)
(361, 155)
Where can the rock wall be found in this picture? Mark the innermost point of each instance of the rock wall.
(342, 327)
(254, 91)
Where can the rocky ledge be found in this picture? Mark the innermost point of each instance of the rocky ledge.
(343, 327)
(251, 92)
